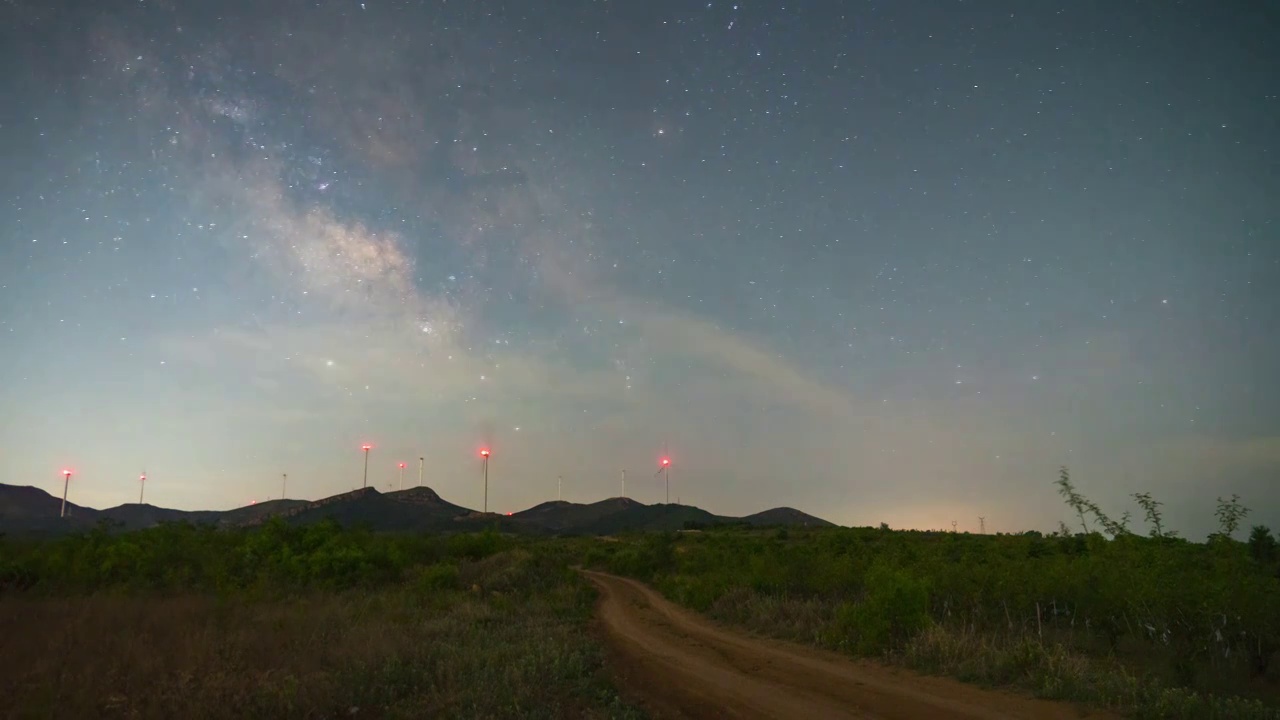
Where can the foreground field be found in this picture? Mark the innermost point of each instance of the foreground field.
(1148, 628)
(321, 621)
(687, 667)
(474, 630)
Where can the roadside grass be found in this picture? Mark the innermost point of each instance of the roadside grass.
(500, 637)
(1065, 619)
(1056, 671)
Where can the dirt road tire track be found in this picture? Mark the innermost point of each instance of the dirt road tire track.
(681, 665)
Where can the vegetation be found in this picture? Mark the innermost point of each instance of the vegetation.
(296, 622)
(322, 621)
(1155, 626)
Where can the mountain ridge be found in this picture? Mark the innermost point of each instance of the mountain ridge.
(25, 509)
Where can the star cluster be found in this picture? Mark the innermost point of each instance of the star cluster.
(877, 261)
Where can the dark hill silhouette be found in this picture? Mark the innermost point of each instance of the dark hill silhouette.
(30, 510)
(786, 516)
(426, 497)
(561, 516)
(251, 514)
(134, 516)
(28, 501)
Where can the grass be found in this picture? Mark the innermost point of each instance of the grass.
(1066, 619)
(1046, 669)
(502, 637)
(1057, 671)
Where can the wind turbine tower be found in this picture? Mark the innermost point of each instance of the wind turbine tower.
(664, 469)
(484, 457)
(66, 480)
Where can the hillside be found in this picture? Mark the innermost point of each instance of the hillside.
(134, 516)
(30, 510)
(785, 516)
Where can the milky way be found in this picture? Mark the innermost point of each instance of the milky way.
(879, 262)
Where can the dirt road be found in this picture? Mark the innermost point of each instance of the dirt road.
(683, 666)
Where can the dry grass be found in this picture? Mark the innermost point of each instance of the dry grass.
(800, 619)
(399, 652)
(1055, 670)
(1049, 668)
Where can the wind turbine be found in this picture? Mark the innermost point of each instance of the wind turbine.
(284, 483)
(664, 469)
(142, 485)
(401, 476)
(624, 483)
(366, 447)
(559, 488)
(66, 480)
(484, 461)
(421, 461)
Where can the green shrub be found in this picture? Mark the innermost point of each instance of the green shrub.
(437, 577)
(895, 608)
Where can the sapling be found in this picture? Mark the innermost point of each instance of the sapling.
(1229, 514)
(1074, 500)
(1154, 517)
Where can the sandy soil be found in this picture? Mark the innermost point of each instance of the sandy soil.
(681, 665)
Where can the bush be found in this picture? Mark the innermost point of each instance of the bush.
(895, 608)
(437, 577)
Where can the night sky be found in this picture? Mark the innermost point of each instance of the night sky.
(890, 261)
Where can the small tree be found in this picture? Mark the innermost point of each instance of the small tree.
(1262, 546)
(1155, 518)
(1229, 514)
(1074, 500)
(1114, 528)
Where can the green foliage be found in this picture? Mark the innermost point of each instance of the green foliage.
(1154, 517)
(894, 608)
(1229, 514)
(427, 648)
(274, 557)
(440, 576)
(1134, 622)
(644, 557)
(1073, 499)
(1263, 546)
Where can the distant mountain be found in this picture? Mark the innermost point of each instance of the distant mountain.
(785, 516)
(30, 510)
(561, 516)
(257, 512)
(28, 501)
(134, 516)
(616, 515)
